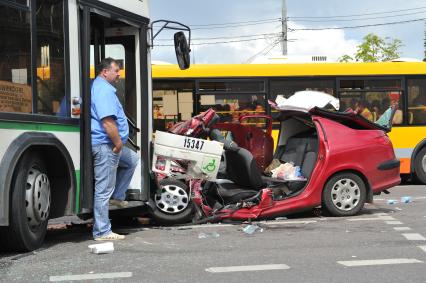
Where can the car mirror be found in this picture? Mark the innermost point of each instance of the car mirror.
(182, 50)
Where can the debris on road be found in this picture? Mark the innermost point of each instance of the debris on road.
(143, 220)
(406, 199)
(317, 212)
(281, 218)
(203, 235)
(392, 201)
(250, 229)
(104, 248)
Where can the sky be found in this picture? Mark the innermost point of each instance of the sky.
(257, 22)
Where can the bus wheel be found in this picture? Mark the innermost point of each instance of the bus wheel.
(173, 205)
(30, 204)
(420, 165)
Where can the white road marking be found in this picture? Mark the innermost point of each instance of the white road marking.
(393, 222)
(381, 218)
(401, 228)
(419, 197)
(244, 268)
(423, 248)
(379, 261)
(414, 237)
(79, 277)
(285, 222)
(385, 217)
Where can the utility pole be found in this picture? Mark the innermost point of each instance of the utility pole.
(284, 27)
(424, 44)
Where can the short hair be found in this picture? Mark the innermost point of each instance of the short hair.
(106, 64)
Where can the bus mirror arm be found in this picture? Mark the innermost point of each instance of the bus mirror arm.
(169, 25)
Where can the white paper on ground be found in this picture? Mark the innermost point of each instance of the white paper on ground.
(103, 248)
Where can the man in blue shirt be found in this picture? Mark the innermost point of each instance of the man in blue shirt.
(114, 164)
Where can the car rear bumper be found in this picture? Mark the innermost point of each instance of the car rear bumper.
(389, 164)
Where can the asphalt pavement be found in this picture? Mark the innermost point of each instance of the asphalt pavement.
(386, 242)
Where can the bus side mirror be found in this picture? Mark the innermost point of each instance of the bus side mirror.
(182, 50)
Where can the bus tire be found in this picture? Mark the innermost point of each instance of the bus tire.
(420, 166)
(174, 212)
(29, 204)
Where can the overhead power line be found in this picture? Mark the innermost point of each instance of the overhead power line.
(236, 25)
(233, 23)
(229, 41)
(360, 19)
(356, 15)
(227, 37)
(360, 26)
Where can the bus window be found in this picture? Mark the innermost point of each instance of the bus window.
(50, 58)
(416, 101)
(15, 63)
(232, 86)
(230, 107)
(172, 102)
(232, 99)
(372, 97)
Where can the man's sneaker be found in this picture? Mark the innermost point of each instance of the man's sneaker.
(110, 237)
(118, 203)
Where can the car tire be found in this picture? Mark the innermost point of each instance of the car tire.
(344, 194)
(29, 205)
(420, 166)
(173, 205)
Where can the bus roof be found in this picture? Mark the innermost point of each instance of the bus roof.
(289, 70)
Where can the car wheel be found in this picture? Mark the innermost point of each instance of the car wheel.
(420, 165)
(344, 194)
(29, 205)
(173, 204)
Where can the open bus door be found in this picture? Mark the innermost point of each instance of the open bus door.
(107, 34)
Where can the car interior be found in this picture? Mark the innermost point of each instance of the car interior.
(298, 145)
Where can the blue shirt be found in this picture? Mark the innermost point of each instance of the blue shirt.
(105, 103)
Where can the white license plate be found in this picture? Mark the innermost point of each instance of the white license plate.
(193, 144)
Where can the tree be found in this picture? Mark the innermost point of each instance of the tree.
(375, 49)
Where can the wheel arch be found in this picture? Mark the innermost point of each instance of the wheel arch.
(369, 196)
(55, 153)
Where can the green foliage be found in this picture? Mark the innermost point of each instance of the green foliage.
(346, 58)
(375, 49)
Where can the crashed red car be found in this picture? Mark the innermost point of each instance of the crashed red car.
(342, 160)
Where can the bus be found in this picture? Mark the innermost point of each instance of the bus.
(46, 51)
(239, 89)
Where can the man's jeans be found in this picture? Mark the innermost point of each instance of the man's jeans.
(113, 173)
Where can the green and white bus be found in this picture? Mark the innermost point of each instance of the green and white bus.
(46, 50)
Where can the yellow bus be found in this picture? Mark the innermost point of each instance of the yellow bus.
(237, 89)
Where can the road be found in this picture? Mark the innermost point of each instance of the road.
(384, 243)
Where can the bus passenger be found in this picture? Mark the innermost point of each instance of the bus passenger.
(114, 164)
(363, 110)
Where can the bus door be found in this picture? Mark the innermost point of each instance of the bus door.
(111, 35)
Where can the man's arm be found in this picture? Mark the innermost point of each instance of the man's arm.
(110, 127)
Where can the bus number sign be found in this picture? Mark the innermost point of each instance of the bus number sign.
(193, 144)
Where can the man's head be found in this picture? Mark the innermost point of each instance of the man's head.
(109, 70)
